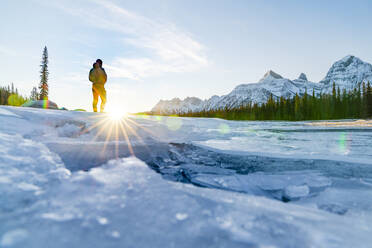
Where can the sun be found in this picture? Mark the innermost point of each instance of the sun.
(116, 113)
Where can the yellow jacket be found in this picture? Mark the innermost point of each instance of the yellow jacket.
(98, 76)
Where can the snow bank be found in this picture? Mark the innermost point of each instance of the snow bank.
(124, 202)
(120, 200)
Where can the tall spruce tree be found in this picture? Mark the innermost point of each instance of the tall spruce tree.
(364, 101)
(44, 75)
(369, 100)
(358, 104)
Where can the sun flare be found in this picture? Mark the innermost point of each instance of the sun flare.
(116, 113)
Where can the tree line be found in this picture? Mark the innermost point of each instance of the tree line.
(9, 95)
(356, 103)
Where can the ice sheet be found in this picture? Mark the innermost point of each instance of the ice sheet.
(66, 180)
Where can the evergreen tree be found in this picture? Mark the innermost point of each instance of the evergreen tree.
(369, 100)
(44, 74)
(297, 108)
(358, 103)
(364, 101)
(344, 105)
(333, 101)
(314, 107)
(338, 107)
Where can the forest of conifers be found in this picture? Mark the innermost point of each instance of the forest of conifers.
(10, 96)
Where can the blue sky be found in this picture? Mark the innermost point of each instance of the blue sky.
(162, 49)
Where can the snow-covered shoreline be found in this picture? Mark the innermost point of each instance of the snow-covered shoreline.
(110, 198)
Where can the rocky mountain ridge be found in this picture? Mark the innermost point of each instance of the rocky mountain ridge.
(347, 73)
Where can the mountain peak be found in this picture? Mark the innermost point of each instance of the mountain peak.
(347, 72)
(348, 60)
(348, 57)
(271, 74)
(302, 77)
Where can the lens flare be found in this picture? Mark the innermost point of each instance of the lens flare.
(224, 129)
(173, 123)
(45, 104)
(344, 143)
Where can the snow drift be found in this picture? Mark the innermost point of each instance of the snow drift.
(182, 182)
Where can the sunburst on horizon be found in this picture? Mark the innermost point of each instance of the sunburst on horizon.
(115, 125)
(116, 112)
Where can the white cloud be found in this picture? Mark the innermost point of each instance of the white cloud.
(166, 47)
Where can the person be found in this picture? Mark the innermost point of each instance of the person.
(98, 77)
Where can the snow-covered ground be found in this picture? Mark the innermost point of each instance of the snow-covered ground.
(75, 179)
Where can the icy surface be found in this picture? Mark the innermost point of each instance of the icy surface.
(346, 73)
(69, 179)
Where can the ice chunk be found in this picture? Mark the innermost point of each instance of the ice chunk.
(294, 191)
(333, 208)
(69, 130)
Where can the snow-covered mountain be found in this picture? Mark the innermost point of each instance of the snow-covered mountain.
(271, 83)
(177, 105)
(346, 73)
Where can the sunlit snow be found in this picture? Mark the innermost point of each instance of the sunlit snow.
(75, 179)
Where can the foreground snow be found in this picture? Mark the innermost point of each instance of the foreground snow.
(64, 183)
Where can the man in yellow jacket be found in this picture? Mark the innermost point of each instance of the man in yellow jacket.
(98, 77)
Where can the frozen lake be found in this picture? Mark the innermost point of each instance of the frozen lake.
(74, 179)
